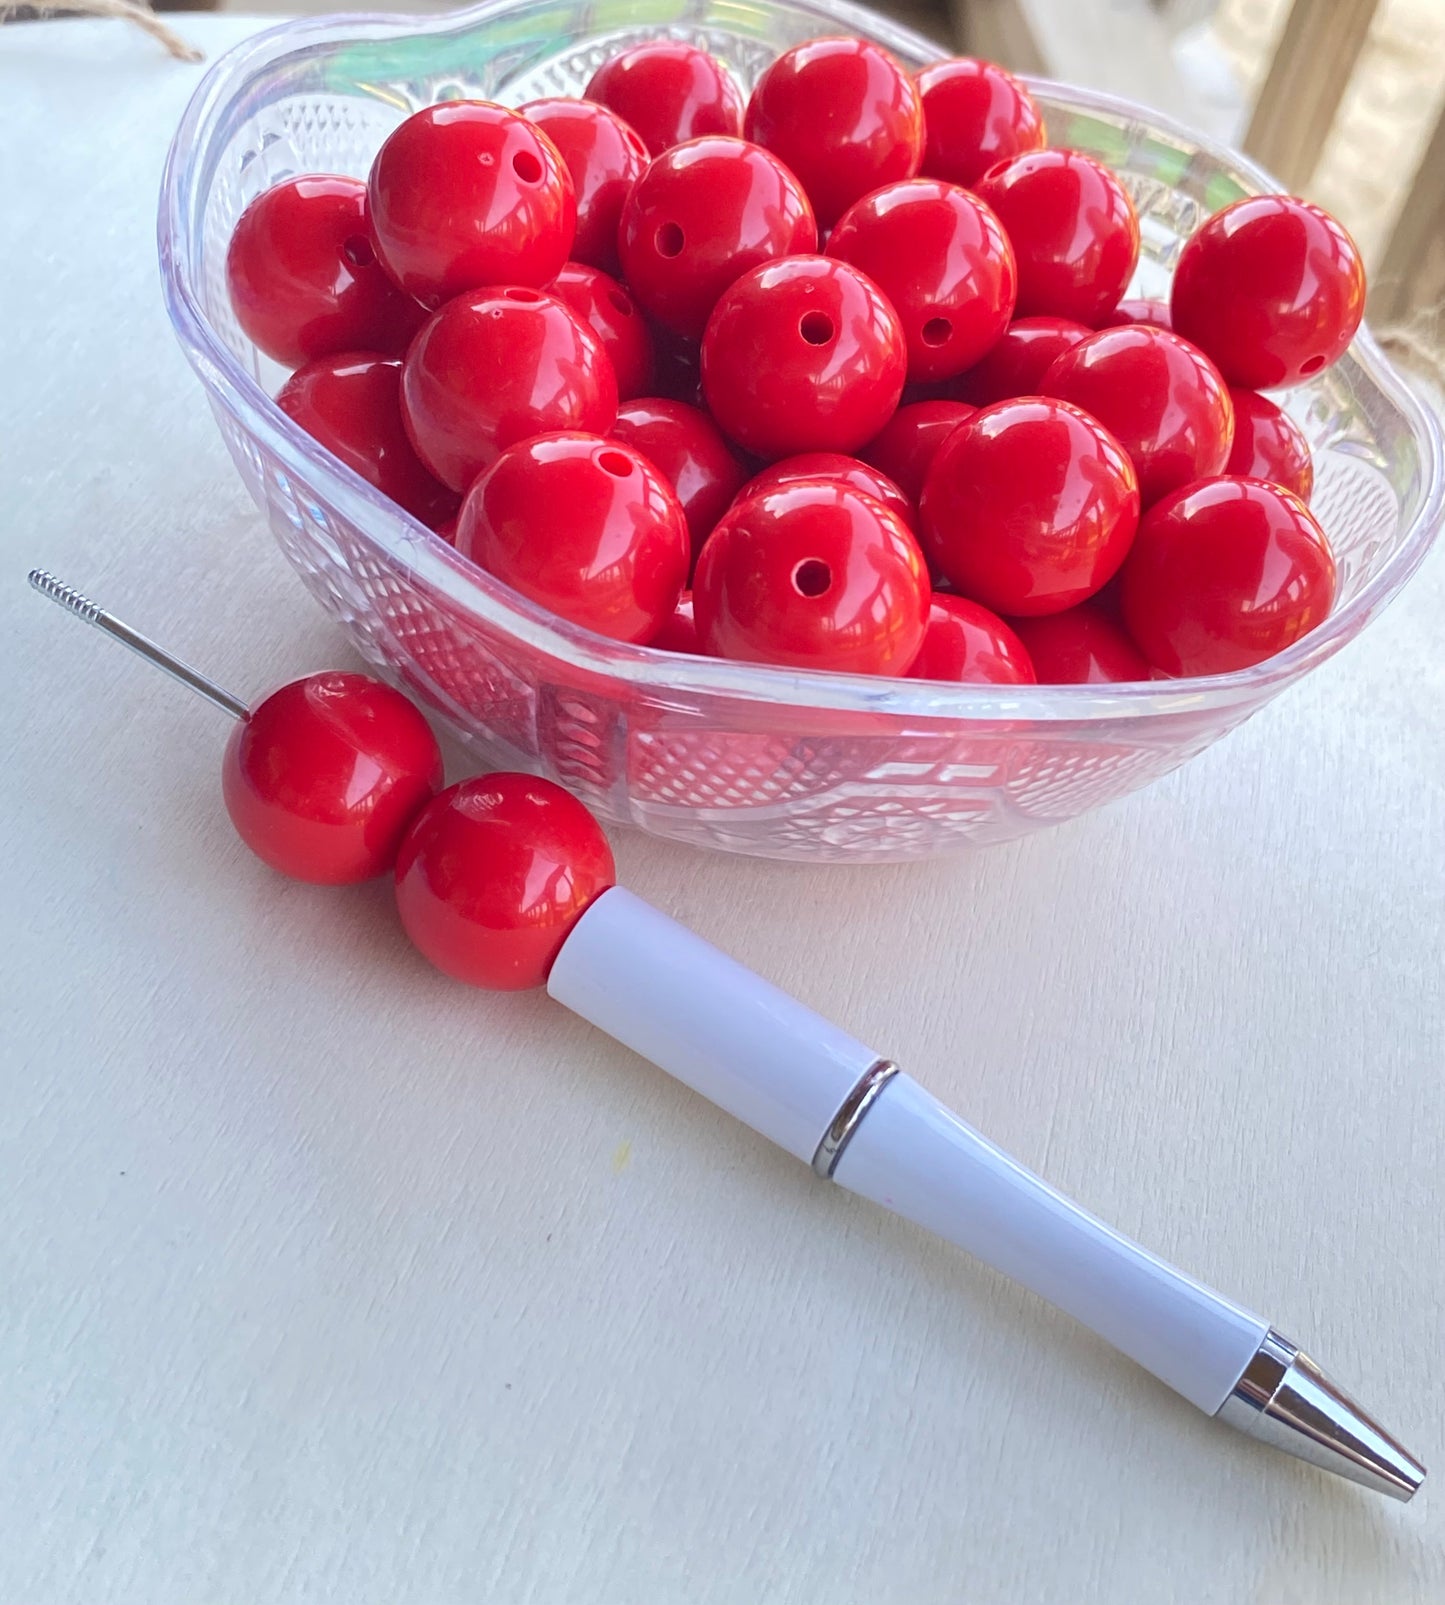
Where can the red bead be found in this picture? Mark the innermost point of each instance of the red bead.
(609, 311)
(686, 448)
(1029, 507)
(324, 776)
(679, 633)
(966, 643)
(604, 158)
(494, 874)
(584, 526)
(352, 405)
(941, 258)
(1017, 364)
(1224, 574)
(303, 276)
(813, 576)
(803, 355)
(703, 214)
(447, 529)
(496, 367)
(668, 92)
(1082, 645)
(1269, 444)
(468, 194)
(976, 115)
(1137, 310)
(1272, 289)
(905, 447)
(837, 468)
(1160, 397)
(1073, 230)
(844, 117)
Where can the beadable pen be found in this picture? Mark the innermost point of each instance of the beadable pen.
(852, 1115)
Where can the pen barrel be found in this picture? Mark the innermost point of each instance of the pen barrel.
(916, 1158)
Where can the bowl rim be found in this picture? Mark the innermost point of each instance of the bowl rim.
(430, 562)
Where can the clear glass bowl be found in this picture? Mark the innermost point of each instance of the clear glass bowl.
(733, 756)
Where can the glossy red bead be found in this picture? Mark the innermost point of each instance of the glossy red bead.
(1073, 229)
(498, 366)
(668, 92)
(1029, 507)
(1016, 365)
(468, 194)
(604, 158)
(803, 355)
(493, 875)
(976, 116)
(1083, 645)
(1137, 309)
(815, 576)
(689, 451)
(967, 644)
(905, 446)
(1161, 398)
(326, 774)
(1272, 288)
(607, 308)
(1224, 574)
(1269, 444)
(703, 214)
(843, 116)
(838, 468)
(679, 633)
(584, 526)
(303, 276)
(941, 258)
(352, 405)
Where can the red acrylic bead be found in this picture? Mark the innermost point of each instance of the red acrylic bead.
(1224, 574)
(1073, 229)
(679, 633)
(1269, 444)
(1161, 398)
(967, 644)
(352, 405)
(498, 366)
(604, 158)
(838, 468)
(843, 116)
(303, 276)
(1272, 289)
(586, 527)
(703, 214)
(803, 355)
(467, 194)
(815, 576)
(976, 115)
(493, 875)
(1017, 364)
(668, 92)
(689, 451)
(1137, 309)
(324, 776)
(905, 447)
(1029, 507)
(941, 258)
(1083, 645)
(610, 312)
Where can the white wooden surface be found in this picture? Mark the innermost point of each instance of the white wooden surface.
(324, 1279)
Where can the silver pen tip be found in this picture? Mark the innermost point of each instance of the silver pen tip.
(1285, 1400)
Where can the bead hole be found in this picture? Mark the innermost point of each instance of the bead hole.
(669, 240)
(812, 577)
(1314, 365)
(526, 166)
(614, 463)
(357, 250)
(620, 303)
(528, 297)
(816, 328)
(936, 331)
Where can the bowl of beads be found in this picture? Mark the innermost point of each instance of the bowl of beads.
(824, 497)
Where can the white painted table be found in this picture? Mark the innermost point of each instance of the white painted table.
(324, 1279)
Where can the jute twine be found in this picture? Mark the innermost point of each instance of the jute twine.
(127, 10)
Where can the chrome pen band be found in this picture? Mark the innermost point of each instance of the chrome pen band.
(1259, 1383)
(850, 1117)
